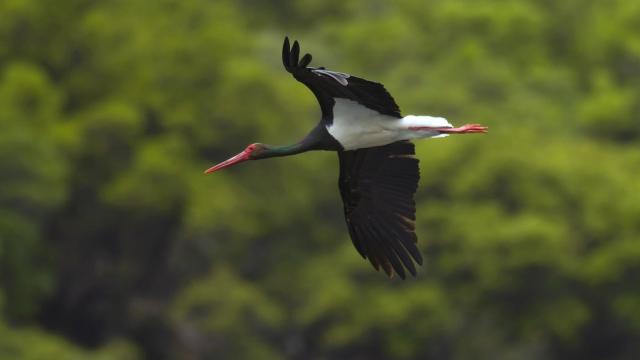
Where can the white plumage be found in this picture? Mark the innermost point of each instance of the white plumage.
(355, 126)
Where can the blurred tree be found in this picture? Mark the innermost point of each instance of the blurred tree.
(113, 244)
(32, 183)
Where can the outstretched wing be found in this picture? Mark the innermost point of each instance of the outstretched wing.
(377, 186)
(327, 85)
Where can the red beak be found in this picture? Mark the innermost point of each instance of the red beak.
(243, 156)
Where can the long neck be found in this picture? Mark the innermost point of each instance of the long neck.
(317, 139)
(286, 150)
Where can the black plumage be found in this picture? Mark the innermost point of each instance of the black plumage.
(377, 183)
(377, 186)
(327, 85)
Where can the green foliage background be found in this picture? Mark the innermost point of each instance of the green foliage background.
(113, 245)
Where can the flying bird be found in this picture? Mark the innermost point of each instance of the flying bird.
(379, 172)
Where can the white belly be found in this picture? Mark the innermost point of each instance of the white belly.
(355, 126)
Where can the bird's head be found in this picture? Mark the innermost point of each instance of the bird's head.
(251, 152)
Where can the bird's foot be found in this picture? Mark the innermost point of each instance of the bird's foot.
(465, 129)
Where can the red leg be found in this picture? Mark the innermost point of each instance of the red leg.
(465, 129)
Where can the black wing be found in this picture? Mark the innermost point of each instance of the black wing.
(377, 187)
(327, 85)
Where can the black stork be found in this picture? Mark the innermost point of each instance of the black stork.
(379, 173)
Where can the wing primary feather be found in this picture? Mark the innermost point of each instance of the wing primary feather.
(376, 242)
(367, 246)
(387, 267)
(387, 250)
(376, 254)
(306, 60)
(407, 237)
(357, 240)
(400, 250)
(410, 245)
(295, 52)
